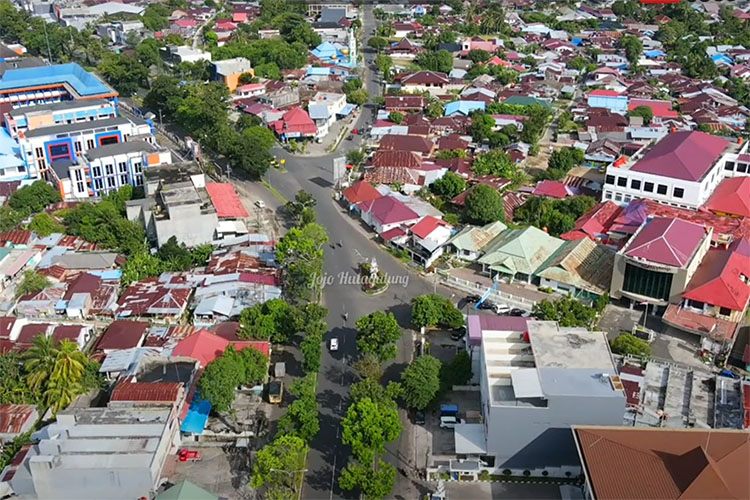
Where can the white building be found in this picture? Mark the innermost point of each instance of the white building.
(681, 170)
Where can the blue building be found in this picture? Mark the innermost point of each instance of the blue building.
(608, 99)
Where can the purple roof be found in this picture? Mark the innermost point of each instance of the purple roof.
(477, 323)
(682, 155)
(667, 241)
(388, 210)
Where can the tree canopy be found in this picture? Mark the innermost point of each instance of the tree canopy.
(435, 310)
(421, 382)
(628, 344)
(556, 216)
(567, 311)
(224, 374)
(484, 204)
(377, 334)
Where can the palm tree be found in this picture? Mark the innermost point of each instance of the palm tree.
(59, 395)
(40, 361)
(65, 379)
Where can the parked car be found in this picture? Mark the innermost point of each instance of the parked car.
(189, 455)
(473, 299)
(487, 305)
(458, 334)
(419, 418)
(334, 344)
(502, 309)
(349, 137)
(355, 131)
(275, 391)
(449, 422)
(260, 204)
(516, 312)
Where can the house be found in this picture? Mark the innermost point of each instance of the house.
(608, 99)
(226, 201)
(423, 81)
(463, 107)
(16, 419)
(580, 268)
(407, 143)
(224, 297)
(731, 198)
(122, 334)
(469, 243)
(428, 239)
(659, 260)
(385, 213)
(536, 380)
(518, 253)
(404, 103)
(404, 49)
(595, 223)
(203, 347)
(359, 192)
(295, 124)
(176, 55)
(710, 462)
(160, 297)
(660, 109)
(324, 108)
(229, 71)
(716, 297)
(553, 189)
(682, 169)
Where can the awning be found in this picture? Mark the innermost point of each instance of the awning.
(197, 416)
(470, 439)
(346, 110)
(526, 383)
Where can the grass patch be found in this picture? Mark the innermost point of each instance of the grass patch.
(274, 192)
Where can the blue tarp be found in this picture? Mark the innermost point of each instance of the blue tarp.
(197, 416)
(347, 109)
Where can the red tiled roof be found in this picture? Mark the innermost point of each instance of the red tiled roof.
(262, 346)
(682, 155)
(660, 109)
(146, 391)
(422, 78)
(718, 281)
(14, 417)
(28, 332)
(667, 241)
(604, 93)
(415, 143)
(415, 102)
(389, 210)
(628, 463)
(361, 191)
(384, 158)
(732, 196)
(700, 324)
(296, 120)
(226, 200)
(66, 332)
(15, 237)
(552, 189)
(122, 334)
(203, 346)
(595, 221)
(393, 233)
(426, 226)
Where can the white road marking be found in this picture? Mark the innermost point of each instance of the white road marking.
(333, 475)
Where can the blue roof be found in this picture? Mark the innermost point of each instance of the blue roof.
(347, 109)
(110, 274)
(197, 416)
(463, 107)
(654, 53)
(325, 49)
(82, 82)
(721, 57)
(7, 145)
(317, 71)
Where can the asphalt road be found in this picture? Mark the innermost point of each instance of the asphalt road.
(327, 455)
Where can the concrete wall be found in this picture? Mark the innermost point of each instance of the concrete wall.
(90, 484)
(188, 226)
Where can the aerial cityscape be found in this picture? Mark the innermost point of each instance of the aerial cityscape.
(289, 249)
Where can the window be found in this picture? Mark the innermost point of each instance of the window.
(59, 151)
(137, 168)
(608, 195)
(679, 192)
(648, 187)
(647, 283)
(77, 146)
(635, 184)
(610, 179)
(97, 171)
(138, 180)
(21, 169)
(618, 196)
(39, 152)
(725, 311)
(110, 139)
(109, 169)
(742, 168)
(696, 304)
(124, 179)
(80, 187)
(78, 175)
(89, 144)
(661, 189)
(729, 166)
(98, 184)
(622, 181)
(111, 182)
(122, 167)
(41, 164)
(627, 198)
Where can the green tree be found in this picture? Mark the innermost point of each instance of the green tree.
(268, 70)
(396, 117)
(165, 95)
(627, 344)
(262, 135)
(300, 254)
(441, 61)
(224, 374)
(633, 48)
(377, 42)
(356, 157)
(357, 97)
(9, 218)
(567, 311)
(40, 361)
(64, 383)
(457, 372)
(140, 266)
(274, 320)
(556, 216)
(278, 466)
(384, 63)
(156, 16)
(377, 334)
(147, 52)
(44, 224)
(484, 204)
(368, 426)
(301, 418)
(375, 482)
(421, 382)
(643, 111)
(449, 185)
(302, 201)
(31, 283)
(495, 163)
(479, 55)
(123, 72)
(33, 198)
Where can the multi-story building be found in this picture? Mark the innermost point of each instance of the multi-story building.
(41, 147)
(45, 84)
(681, 170)
(94, 453)
(21, 120)
(537, 380)
(659, 260)
(229, 71)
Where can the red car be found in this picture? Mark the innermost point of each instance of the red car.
(355, 131)
(189, 455)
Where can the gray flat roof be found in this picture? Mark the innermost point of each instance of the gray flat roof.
(119, 148)
(58, 106)
(557, 347)
(585, 382)
(172, 173)
(80, 126)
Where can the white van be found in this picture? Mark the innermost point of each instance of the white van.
(449, 422)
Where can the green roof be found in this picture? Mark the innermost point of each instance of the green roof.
(185, 490)
(520, 250)
(522, 100)
(474, 239)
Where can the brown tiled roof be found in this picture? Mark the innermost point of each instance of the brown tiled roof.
(626, 463)
(396, 159)
(146, 391)
(415, 143)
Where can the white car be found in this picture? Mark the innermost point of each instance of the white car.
(449, 422)
(260, 204)
(334, 344)
(502, 309)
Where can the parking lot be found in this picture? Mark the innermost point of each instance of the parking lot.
(469, 409)
(484, 490)
(223, 472)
